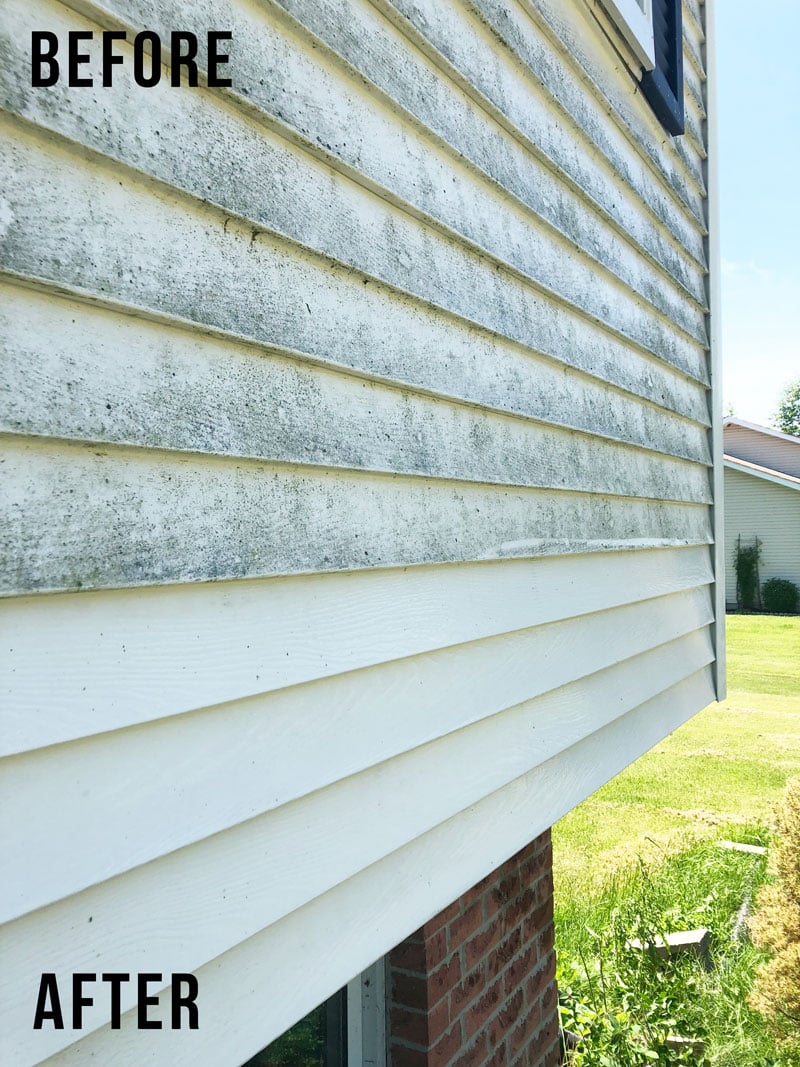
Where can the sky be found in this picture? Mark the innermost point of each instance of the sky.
(759, 175)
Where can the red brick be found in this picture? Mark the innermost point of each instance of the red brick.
(532, 868)
(544, 1043)
(546, 940)
(466, 991)
(537, 920)
(474, 986)
(541, 979)
(423, 1028)
(443, 979)
(460, 928)
(499, 1057)
(544, 887)
(519, 969)
(549, 999)
(505, 890)
(442, 919)
(420, 954)
(436, 948)
(505, 1018)
(504, 952)
(438, 1020)
(520, 1037)
(411, 1026)
(483, 1008)
(408, 956)
(519, 908)
(407, 1057)
(475, 1055)
(478, 891)
(410, 990)
(552, 1058)
(520, 855)
(482, 943)
(446, 1048)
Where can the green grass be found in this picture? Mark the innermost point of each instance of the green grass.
(764, 651)
(702, 886)
(641, 855)
(726, 766)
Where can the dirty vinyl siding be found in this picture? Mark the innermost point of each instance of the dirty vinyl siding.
(356, 468)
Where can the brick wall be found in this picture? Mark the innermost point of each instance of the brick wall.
(476, 985)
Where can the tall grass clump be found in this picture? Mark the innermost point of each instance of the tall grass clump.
(623, 1007)
(776, 927)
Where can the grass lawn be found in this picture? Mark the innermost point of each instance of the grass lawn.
(726, 766)
(636, 859)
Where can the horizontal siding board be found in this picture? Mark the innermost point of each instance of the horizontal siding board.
(401, 888)
(597, 190)
(437, 272)
(469, 36)
(271, 750)
(430, 91)
(79, 519)
(324, 123)
(79, 664)
(679, 173)
(522, 383)
(763, 449)
(692, 60)
(341, 219)
(694, 85)
(189, 396)
(120, 378)
(411, 344)
(219, 883)
(693, 36)
(694, 80)
(554, 43)
(693, 13)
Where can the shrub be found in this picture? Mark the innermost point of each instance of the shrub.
(776, 926)
(746, 564)
(781, 596)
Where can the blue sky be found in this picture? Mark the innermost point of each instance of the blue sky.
(759, 160)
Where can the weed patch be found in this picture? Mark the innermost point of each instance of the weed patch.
(629, 1007)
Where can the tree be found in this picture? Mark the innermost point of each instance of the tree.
(787, 417)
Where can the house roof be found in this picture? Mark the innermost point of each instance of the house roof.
(733, 421)
(787, 480)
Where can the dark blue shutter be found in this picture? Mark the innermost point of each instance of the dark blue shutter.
(663, 87)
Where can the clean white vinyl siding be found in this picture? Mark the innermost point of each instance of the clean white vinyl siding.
(356, 475)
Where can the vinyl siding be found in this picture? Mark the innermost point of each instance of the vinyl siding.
(357, 486)
(766, 450)
(755, 507)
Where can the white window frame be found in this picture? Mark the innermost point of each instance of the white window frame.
(636, 26)
(366, 1017)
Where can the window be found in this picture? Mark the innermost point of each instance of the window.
(654, 31)
(635, 22)
(318, 1040)
(347, 1030)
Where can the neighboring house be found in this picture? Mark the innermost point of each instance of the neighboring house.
(358, 482)
(762, 499)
